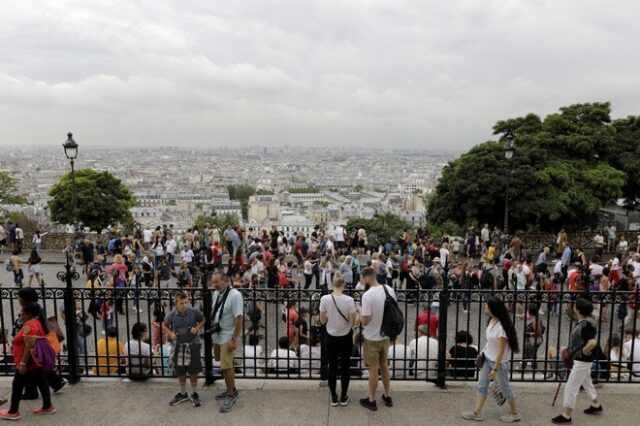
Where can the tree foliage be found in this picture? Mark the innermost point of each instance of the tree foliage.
(242, 194)
(303, 190)
(8, 190)
(222, 221)
(385, 226)
(565, 168)
(102, 199)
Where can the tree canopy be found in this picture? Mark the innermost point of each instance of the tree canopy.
(102, 199)
(222, 221)
(385, 226)
(242, 194)
(565, 168)
(8, 190)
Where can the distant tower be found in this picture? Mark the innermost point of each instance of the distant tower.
(265, 149)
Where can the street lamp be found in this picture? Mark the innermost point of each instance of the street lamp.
(71, 152)
(509, 150)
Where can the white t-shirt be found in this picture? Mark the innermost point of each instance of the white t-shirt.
(187, 255)
(557, 268)
(340, 234)
(309, 359)
(283, 359)
(171, 246)
(373, 305)
(444, 256)
(329, 246)
(136, 352)
(636, 269)
(308, 268)
(623, 245)
(425, 351)
(336, 325)
(389, 266)
(494, 333)
(159, 250)
(400, 356)
(146, 236)
(626, 353)
(253, 357)
(596, 269)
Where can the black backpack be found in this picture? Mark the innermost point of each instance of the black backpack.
(392, 318)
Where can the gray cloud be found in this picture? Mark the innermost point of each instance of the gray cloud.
(394, 73)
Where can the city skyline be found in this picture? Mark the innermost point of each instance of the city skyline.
(376, 74)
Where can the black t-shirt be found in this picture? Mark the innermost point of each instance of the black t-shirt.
(580, 335)
(463, 361)
(87, 252)
(301, 322)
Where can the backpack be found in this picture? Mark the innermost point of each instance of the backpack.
(392, 317)
(486, 279)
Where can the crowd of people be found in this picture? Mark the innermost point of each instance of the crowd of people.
(258, 259)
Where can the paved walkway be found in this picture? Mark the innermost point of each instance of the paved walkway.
(266, 403)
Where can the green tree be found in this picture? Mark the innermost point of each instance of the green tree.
(222, 221)
(242, 194)
(172, 203)
(262, 191)
(102, 199)
(385, 226)
(303, 190)
(563, 173)
(357, 188)
(8, 190)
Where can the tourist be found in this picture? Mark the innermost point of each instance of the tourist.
(27, 370)
(16, 267)
(253, 356)
(19, 238)
(338, 312)
(399, 356)
(37, 240)
(110, 353)
(376, 346)
(582, 343)
(283, 360)
(424, 352)
(310, 356)
(226, 319)
(502, 341)
(182, 326)
(462, 356)
(34, 268)
(138, 353)
(631, 349)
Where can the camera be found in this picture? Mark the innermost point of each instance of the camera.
(215, 328)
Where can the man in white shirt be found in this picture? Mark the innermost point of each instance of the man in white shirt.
(611, 232)
(170, 246)
(631, 350)
(444, 255)
(376, 346)
(485, 234)
(340, 240)
(146, 238)
(424, 350)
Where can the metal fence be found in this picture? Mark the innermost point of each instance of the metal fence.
(282, 337)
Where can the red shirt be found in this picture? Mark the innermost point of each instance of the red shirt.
(30, 328)
(217, 253)
(573, 276)
(431, 320)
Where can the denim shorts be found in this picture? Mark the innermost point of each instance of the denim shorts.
(502, 377)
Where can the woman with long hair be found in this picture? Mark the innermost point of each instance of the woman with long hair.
(27, 371)
(502, 341)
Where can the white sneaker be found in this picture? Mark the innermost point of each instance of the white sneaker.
(471, 415)
(511, 418)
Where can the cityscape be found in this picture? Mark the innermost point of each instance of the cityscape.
(175, 185)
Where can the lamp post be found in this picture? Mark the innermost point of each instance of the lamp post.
(71, 152)
(509, 149)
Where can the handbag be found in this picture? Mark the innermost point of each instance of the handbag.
(338, 309)
(496, 393)
(52, 338)
(480, 360)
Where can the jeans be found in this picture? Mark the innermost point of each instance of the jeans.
(20, 381)
(339, 351)
(502, 377)
(307, 280)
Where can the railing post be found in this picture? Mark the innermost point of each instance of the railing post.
(442, 337)
(324, 359)
(208, 355)
(70, 324)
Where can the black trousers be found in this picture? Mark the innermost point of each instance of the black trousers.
(35, 377)
(339, 351)
(307, 280)
(53, 380)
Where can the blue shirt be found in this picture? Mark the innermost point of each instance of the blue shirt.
(566, 257)
(231, 309)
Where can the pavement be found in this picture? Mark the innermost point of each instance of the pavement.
(277, 402)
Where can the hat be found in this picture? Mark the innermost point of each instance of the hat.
(424, 329)
(436, 259)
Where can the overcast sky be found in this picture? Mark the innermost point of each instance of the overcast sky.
(387, 73)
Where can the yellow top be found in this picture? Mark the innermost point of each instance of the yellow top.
(115, 351)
